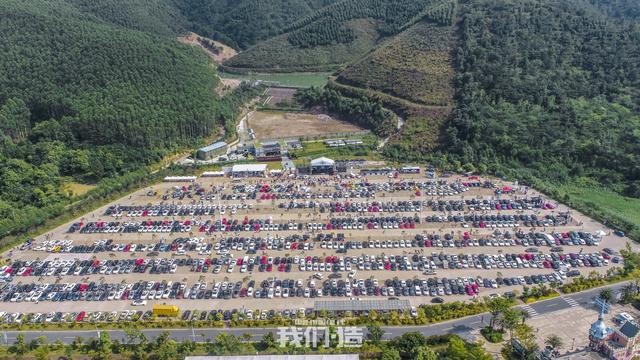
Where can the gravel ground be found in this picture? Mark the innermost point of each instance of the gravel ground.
(268, 209)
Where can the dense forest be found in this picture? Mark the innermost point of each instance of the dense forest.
(82, 100)
(561, 103)
(241, 24)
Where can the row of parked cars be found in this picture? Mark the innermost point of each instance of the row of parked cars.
(333, 286)
(175, 210)
(501, 220)
(356, 206)
(177, 226)
(140, 315)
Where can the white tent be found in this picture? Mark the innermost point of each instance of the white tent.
(322, 162)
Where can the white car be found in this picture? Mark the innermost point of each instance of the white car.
(139, 302)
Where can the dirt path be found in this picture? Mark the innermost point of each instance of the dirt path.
(223, 52)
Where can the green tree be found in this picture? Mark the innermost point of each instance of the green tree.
(525, 334)
(165, 348)
(102, 349)
(425, 353)
(511, 318)
(269, 341)
(390, 353)
(375, 334)
(15, 119)
(225, 343)
(408, 342)
(42, 352)
(606, 294)
(19, 347)
(554, 341)
(497, 306)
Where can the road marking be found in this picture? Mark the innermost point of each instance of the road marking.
(532, 312)
(571, 301)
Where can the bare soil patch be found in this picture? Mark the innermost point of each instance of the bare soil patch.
(215, 49)
(280, 124)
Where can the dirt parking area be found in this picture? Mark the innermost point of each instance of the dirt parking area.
(279, 124)
(224, 191)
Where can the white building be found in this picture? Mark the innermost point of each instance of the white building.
(249, 170)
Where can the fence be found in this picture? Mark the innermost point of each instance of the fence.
(320, 136)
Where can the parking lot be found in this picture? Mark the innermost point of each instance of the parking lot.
(283, 243)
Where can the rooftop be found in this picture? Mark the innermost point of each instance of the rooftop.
(362, 305)
(322, 161)
(249, 168)
(214, 146)
(630, 329)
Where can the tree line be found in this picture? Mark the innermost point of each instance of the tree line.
(360, 110)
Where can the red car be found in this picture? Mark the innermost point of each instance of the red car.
(80, 316)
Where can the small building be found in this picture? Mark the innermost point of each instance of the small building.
(615, 342)
(212, 151)
(322, 165)
(410, 170)
(249, 170)
(294, 144)
(269, 151)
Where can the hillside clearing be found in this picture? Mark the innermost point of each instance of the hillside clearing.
(280, 124)
(215, 49)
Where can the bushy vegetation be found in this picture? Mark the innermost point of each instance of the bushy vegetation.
(136, 345)
(553, 108)
(415, 65)
(540, 292)
(492, 335)
(277, 54)
(362, 111)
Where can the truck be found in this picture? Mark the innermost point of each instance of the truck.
(165, 310)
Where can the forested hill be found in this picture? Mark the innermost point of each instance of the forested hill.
(242, 23)
(158, 17)
(339, 33)
(82, 98)
(549, 90)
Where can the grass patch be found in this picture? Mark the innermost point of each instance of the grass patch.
(531, 299)
(492, 335)
(316, 149)
(274, 165)
(609, 202)
(302, 79)
(76, 189)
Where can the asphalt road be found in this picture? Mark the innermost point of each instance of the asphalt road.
(459, 326)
